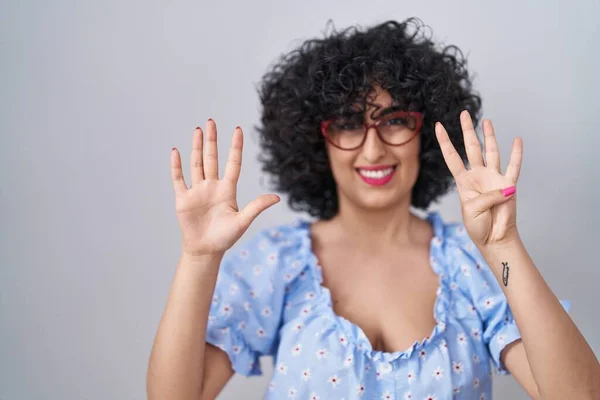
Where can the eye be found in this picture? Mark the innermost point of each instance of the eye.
(396, 121)
(347, 125)
(400, 121)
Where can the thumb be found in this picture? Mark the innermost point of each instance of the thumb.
(485, 201)
(256, 206)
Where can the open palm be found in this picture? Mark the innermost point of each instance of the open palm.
(207, 212)
(488, 215)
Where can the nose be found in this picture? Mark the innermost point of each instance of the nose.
(373, 149)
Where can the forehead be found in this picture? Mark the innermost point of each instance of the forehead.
(374, 103)
(379, 98)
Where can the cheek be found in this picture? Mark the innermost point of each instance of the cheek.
(340, 162)
(409, 154)
(409, 158)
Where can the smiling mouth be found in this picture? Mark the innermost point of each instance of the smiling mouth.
(378, 176)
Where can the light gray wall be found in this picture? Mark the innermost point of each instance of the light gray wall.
(94, 95)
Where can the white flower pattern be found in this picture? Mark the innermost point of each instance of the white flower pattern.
(334, 380)
(297, 349)
(488, 303)
(466, 270)
(227, 309)
(360, 390)
(282, 368)
(322, 353)
(267, 311)
(458, 367)
(444, 347)
(306, 374)
(292, 393)
(269, 301)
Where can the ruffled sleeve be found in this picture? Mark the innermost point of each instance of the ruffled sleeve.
(247, 304)
(499, 326)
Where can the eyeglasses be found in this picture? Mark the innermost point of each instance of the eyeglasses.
(394, 129)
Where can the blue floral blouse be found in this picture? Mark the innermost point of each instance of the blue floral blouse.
(269, 301)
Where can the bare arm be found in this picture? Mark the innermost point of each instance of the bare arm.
(514, 358)
(208, 215)
(179, 354)
(552, 350)
(562, 363)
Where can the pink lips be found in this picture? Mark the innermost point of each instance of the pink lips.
(377, 181)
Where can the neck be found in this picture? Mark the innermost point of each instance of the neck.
(394, 225)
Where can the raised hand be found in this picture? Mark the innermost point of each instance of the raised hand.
(488, 202)
(207, 212)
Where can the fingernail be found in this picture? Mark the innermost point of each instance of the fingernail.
(238, 127)
(509, 191)
(210, 119)
(198, 128)
(173, 149)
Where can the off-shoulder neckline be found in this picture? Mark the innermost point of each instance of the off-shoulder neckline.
(354, 333)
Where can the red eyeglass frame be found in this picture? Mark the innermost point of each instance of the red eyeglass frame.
(415, 114)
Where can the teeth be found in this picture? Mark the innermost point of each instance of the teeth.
(377, 174)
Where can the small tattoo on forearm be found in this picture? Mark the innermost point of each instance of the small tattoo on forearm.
(505, 273)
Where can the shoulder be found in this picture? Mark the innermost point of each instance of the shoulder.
(459, 257)
(274, 240)
(452, 234)
(269, 251)
(451, 238)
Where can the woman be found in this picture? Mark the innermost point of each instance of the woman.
(370, 301)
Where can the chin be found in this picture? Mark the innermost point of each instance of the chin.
(380, 201)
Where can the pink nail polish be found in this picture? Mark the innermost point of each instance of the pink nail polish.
(509, 191)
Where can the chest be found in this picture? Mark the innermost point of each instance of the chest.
(390, 296)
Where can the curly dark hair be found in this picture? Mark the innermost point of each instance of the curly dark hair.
(323, 78)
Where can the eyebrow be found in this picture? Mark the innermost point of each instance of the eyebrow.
(377, 113)
(383, 112)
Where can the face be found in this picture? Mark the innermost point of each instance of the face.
(376, 175)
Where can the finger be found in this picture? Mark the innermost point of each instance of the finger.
(196, 159)
(211, 157)
(485, 201)
(472, 144)
(452, 158)
(256, 206)
(492, 155)
(176, 172)
(516, 159)
(234, 160)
